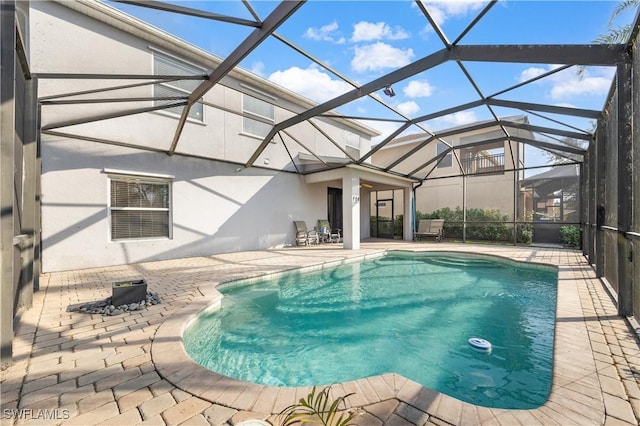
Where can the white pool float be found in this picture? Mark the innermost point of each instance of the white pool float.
(480, 345)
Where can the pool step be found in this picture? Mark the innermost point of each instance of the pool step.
(458, 262)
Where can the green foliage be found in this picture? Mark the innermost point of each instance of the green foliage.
(570, 235)
(484, 225)
(318, 408)
(615, 35)
(620, 34)
(395, 226)
(622, 7)
(398, 225)
(524, 233)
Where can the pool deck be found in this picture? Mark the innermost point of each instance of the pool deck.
(75, 368)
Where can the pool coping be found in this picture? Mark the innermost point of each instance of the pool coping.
(570, 401)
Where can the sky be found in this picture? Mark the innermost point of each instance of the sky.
(363, 40)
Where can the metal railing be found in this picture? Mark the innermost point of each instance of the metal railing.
(483, 164)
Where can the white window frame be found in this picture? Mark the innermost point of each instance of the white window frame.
(255, 116)
(190, 69)
(151, 178)
(350, 137)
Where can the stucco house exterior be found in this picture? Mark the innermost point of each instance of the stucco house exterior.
(469, 166)
(117, 188)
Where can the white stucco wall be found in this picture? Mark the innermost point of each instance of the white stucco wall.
(65, 41)
(215, 208)
(218, 205)
(489, 192)
(493, 192)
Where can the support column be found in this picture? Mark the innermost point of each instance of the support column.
(600, 179)
(464, 208)
(7, 138)
(625, 190)
(591, 199)
(515, 205)
(407, 214)
(30, 217)
(351, 212)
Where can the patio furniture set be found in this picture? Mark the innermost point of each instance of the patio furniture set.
(430, 228)
(322, 233)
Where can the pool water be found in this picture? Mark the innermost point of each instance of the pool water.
(410, 314)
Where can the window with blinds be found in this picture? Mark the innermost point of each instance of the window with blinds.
(163, 65)
(139, 209)
(254, 107)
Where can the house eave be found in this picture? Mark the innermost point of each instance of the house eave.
(163, 40)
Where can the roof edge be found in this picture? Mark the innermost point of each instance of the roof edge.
(114, 17)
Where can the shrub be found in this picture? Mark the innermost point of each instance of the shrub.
(486, 225)
(570, 235)
(524, 233)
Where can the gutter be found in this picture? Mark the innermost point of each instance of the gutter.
(414, 211)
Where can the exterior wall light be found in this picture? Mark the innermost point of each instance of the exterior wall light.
(389, 91)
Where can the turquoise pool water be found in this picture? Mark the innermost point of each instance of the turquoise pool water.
(411, 314)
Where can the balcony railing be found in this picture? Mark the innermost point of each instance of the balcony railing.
(484, 164)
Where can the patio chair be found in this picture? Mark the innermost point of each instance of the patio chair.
(304, 236)
(430, 228)
(326, 233)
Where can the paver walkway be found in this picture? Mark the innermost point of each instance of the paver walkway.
(74, 368)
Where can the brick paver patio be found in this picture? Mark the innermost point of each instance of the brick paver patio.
(74, 368)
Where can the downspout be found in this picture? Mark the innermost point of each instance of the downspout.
(413, 208)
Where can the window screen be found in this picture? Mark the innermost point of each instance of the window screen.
(139, 209)
(163, 65)
(256, 107)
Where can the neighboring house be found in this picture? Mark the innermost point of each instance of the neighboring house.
(482, 153)
(111, 194)
(552, 200)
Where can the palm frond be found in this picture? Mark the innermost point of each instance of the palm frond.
(318, 408)
(622, 7)
(615, 35)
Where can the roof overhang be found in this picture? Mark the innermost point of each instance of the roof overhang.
(376, 179)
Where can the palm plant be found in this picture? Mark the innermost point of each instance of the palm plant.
(615, 35)
(621, 33)
(318, 408)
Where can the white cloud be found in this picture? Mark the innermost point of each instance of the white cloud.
(408, 108)
(566, 105)
(530, 73)
(459, 118)
(418, 89)
(384, 127)
(310, 82)
(576, 86)
(442, 10)
(368, 31)
(378, 56)
(533, 72)
(327, 32)
(258, 68)
(568, 84)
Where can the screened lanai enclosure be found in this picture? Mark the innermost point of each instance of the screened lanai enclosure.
(103, 95)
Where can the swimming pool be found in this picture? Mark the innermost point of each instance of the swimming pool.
(411, 314)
